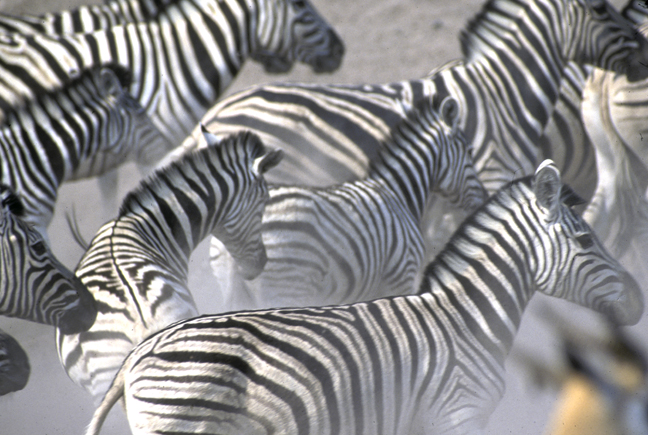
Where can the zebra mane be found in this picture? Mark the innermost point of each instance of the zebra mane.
(488, 21)
(417, 110)
(567, 195)
(222, 153)
(123, 75)
(11, 201)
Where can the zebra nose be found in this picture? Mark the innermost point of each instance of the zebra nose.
(252, 267)
(330, 61)
(627, 308)
(14, 365)
(83, 315)
(638, 61)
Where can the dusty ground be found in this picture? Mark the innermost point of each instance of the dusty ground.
(386, 40)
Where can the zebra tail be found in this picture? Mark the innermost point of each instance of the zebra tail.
(114, 393)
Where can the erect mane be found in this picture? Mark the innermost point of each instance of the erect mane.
(567, 195)
(123, 75)
(252, 148)
(488, 21)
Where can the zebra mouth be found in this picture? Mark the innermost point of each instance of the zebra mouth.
(14, 374)
(81, 317)
(637, 63)
(333, 59)
(627, 308)
(272, 63)
(250, 268)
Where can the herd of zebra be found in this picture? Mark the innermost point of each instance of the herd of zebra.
(353, 299)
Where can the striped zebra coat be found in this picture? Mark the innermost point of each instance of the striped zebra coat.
(599, 130)
(14, 365)
(136, 265)
(182, 56)
(361, 240)
(425, 363)
(83, 129)
(507, 85)
(34, 285)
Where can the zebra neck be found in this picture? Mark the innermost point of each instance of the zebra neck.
(408, 170)
(50, 139)
(483, 280)
(503, 39)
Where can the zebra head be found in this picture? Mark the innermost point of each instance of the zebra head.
(240, 226)
(128, 133)
(457, 177)
(571, 263)
(34, 285)
(597, 34)
(290, 30)
(14, 365)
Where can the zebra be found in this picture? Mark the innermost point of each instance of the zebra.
(81, 130)
(602, 133)
(136, 265)
(82, 18)
(182, 57)
(14, 365)
(362, 240)
(507, 85)
(34, 285)
(431, 362)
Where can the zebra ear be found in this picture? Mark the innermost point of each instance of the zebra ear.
(449, 110)
(547, 187)
(268, 161)
(211, 139)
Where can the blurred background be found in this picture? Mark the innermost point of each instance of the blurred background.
(386, 41)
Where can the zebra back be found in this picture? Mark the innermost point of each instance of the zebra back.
(81, 19)
(425, 363)
(90, 126)
(33, 284)
(359, 240)
(173, 79)
(14, 365)
(136, 266)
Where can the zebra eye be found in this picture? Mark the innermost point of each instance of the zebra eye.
(299, 4)
(39, 248)
(585, 240)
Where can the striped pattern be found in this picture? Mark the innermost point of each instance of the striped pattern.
(14, 365)
(90, 126)
(83, 18)
(173, 79)
(136, 266)
(33, 284)
(507, 86)
(425, 363)
(361, 240)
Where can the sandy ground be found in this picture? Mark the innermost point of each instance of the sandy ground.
(386, 40)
